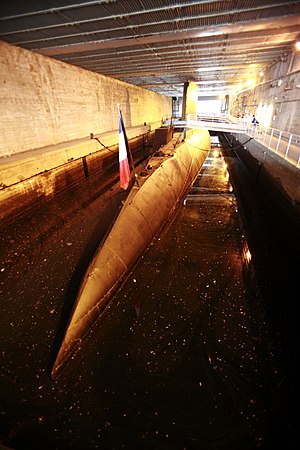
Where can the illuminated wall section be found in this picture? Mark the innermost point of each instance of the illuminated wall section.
(190, 97)
(273, 96)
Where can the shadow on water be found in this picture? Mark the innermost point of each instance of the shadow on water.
(272, 229)
(101, 229)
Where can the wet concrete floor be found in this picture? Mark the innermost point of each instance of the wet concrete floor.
(182, 359)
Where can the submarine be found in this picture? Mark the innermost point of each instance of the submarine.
(151, 201)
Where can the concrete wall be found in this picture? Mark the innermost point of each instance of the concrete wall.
(286, 175)
(275, 100)
(27, 186)
(46, 102)
(22, 166)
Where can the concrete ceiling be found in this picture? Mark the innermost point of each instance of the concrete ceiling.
(158, 44)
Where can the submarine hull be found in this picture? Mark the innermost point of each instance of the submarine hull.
(146, 210)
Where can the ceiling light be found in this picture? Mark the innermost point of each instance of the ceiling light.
(250, 82)
(261, 73)
(297, 45)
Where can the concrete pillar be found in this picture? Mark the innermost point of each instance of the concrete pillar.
(190, 97)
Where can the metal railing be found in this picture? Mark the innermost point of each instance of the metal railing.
(211, 122)
(284, 144)
(215, 118)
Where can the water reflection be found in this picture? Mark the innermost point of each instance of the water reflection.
(189, 367)
(178, 360)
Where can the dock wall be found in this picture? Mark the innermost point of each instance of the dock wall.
(48, 102)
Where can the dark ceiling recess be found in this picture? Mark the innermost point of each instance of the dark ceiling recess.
(158, 44)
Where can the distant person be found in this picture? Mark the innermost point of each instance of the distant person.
(244, 120)
(254, 120)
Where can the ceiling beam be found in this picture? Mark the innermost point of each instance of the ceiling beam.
(61, 9)
(55, 10)
(167, 70)
(159, 37)
(212, 50)
(282, 36)
(137, 13)
(201, 57)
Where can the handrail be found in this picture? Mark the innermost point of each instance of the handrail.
(213, 123)
(283, 143)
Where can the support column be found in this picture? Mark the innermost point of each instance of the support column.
(189, 100)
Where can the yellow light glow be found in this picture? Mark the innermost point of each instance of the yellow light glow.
(248, 255)
(264, 114)
(250, 82)
(297, 45)
(195, 95)
(216, 153)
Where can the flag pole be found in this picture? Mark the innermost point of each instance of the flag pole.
(127, 146)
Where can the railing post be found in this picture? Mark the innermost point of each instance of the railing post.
(258, 133)
(278, 142)
(265, 136)
(288, 146)
(272, 132)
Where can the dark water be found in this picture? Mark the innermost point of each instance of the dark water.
(182, 358)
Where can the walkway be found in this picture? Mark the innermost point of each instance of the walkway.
(212, 123)
(284, 144)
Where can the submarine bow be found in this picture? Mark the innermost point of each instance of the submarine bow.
(146, 210)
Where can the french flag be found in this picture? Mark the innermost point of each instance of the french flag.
(123, 158)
